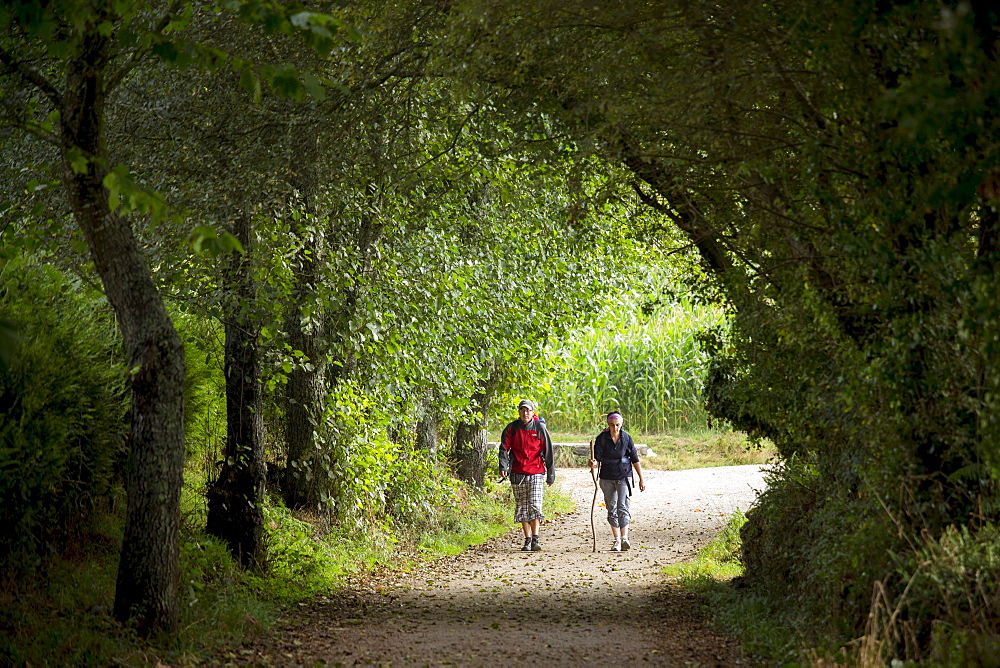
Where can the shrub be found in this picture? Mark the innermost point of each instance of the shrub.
(62, 410)
(947, 609)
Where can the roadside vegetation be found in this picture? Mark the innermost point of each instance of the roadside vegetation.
(270, 277)
(648, 366)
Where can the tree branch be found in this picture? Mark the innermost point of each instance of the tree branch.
(706, 240)
(115, 77)
(31, 75)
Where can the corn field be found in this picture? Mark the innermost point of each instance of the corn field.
(651, 370)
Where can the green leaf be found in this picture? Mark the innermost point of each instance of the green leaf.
(313, 85)
(284, 81)
(251, 84)
(78, 162)
(206, 240)
(302, 19)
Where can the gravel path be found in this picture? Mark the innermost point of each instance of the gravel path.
(564, 606)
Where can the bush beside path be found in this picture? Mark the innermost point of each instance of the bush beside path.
(566, 605)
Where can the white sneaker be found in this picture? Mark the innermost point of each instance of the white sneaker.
(616, 546)
(625, 544)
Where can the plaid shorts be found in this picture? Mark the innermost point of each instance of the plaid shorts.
(528, 496)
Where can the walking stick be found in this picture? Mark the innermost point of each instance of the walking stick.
(593, 529)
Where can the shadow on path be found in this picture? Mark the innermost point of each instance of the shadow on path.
(565, 606)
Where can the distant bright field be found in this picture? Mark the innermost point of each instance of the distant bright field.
(650, 369)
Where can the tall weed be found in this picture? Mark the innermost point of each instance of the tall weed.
(942, 606)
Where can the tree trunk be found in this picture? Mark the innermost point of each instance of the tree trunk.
(236, 496)
(471, 446)
(146, 590)
(427, 434)
(427, 425)
(306, 469)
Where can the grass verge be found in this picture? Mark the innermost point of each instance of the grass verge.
(714, 576)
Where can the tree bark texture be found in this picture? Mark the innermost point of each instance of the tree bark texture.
(427, 434)
(236, 496)
(427, 425)
(306, 477)
(471, 446)
(305, 472)
(146, 590)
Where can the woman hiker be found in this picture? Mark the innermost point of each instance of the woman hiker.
(526, 458)
(615, 454)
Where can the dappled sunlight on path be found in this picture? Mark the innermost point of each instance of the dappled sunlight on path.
(566, 605)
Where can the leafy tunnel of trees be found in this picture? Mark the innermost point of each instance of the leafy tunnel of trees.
(390, 208)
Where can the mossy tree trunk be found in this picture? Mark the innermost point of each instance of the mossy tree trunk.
(471, 445)
(146, 589)
(236, 496)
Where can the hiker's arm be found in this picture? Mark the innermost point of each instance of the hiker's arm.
(598, 452)
(504, 454)
(638, 469)
(550, 468)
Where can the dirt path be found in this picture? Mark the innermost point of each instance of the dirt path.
(563, 606)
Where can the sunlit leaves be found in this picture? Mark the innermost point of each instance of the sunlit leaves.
(207, 240)
(129, 196)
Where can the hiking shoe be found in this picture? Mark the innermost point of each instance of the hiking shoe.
(535, 545)
(625, 544)
(527, 545)
(617, 545)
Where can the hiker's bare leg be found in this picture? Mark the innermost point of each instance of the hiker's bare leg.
(526, 528)
(534, 524)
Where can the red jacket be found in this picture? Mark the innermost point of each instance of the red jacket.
(526, 449)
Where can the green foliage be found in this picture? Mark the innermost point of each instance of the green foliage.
(874, 367)
(303, 561)
(476, 517)
(204, 386)
(220, 604)
(366, 475)
(62, 614)
(947, 609)
(650, 368)
(62, 411)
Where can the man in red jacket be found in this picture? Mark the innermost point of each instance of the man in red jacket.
(526, 458)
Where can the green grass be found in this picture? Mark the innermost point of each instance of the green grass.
(485, 516)
(64, 617)
(766, 634)
(557, 502)
(480, 517)
(718, 560)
